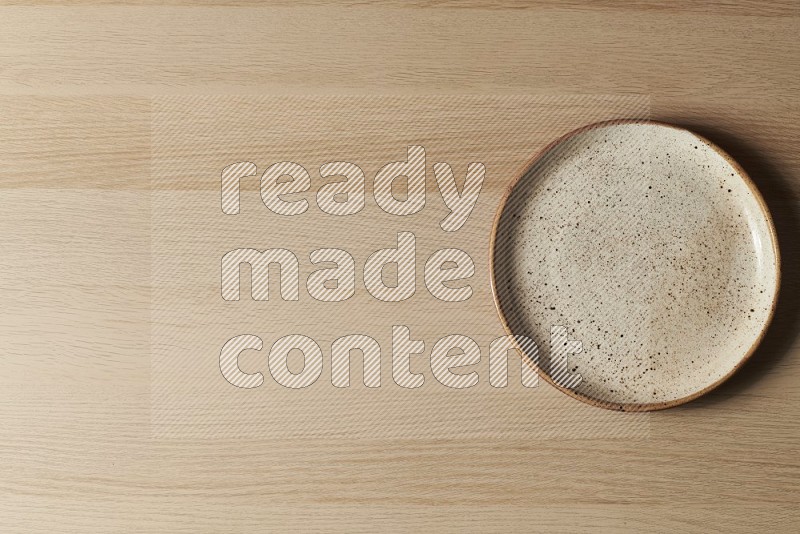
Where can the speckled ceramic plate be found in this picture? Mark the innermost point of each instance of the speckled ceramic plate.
(650, 248)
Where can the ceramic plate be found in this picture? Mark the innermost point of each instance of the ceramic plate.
(643, 245)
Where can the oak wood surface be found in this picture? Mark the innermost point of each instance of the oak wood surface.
(78, 87)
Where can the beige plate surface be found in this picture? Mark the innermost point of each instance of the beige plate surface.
(654, 250)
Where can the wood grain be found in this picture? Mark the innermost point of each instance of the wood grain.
(77, 85)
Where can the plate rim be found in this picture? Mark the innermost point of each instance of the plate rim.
(765, 213)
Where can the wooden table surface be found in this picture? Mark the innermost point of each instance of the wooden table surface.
(86, 93)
